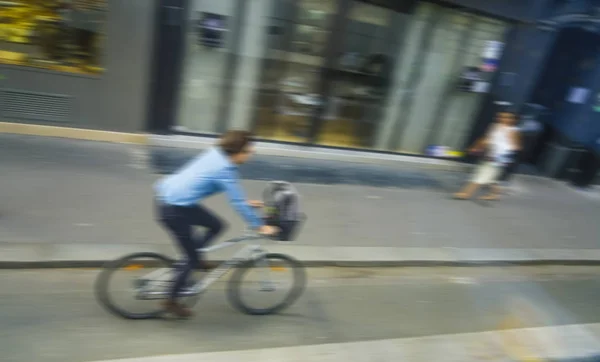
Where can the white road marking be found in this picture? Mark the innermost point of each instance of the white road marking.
(84, 225)
(462, 280)
(578, 341)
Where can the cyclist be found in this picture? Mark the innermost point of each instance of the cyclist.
(177, 196)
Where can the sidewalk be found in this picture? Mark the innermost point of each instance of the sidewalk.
(575, 343)
(67, 203)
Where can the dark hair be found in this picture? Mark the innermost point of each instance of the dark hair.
(234, 141)
(512, 114)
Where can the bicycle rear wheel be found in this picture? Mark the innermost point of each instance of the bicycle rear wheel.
(270, 267)
(141, 278)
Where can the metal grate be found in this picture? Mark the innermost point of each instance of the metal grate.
(35, 106)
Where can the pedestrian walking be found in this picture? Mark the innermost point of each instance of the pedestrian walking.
(499, 147)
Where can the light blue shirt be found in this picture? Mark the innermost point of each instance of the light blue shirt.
(210, 173)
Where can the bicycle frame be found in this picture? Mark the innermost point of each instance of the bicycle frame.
(249, 252)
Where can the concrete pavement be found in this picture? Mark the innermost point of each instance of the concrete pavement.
(473, 347)
(66, 202)
(389, 314)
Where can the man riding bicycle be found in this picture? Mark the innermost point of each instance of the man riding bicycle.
(177, 197)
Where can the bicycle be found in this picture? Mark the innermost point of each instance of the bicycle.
(157, 284)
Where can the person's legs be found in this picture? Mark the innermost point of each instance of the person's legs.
(176, 220)
(214, 226)
(479, 178)
(201, 216)
(179, 222)
(510, 168)
(467, 191)
(492, 178)
(494, 193)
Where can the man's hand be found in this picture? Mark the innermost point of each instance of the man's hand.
(256, 203)
(268, 230)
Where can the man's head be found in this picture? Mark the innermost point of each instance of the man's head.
(237, 145)
(506, 118)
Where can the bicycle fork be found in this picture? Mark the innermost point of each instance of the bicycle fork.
(266, 284)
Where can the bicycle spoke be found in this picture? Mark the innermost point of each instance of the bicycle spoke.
(134, 286)
(267, 284)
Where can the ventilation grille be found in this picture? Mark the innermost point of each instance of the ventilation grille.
(36, 106)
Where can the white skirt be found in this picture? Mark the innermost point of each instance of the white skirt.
(487, 173)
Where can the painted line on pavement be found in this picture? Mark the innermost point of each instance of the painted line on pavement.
(456, 347)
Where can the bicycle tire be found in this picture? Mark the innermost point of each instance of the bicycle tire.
(235, 282)
(102, 286)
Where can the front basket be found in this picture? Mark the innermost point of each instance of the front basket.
(289, 229)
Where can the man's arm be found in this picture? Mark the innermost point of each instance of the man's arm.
(237, 199)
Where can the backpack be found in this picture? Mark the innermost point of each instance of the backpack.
(282, 209)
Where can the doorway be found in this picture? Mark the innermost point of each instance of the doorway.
(564, 90)
(326, 71)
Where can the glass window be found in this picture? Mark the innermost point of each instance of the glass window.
(287, 95)
(461, 108)
(62, 35)
(396, 79)
(209, 44)
(429, 105)
(359, 83)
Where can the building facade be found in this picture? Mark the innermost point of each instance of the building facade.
(400, 76)
(76, 63)
(394, 76)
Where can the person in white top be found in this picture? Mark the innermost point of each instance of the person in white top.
(499, 145)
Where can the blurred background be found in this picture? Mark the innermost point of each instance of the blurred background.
(354, 101)
(61, 35)
(402, 76)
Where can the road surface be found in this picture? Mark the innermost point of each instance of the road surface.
(52, 316)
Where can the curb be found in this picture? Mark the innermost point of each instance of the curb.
(73, 133)
(95, 264)
(312, 152)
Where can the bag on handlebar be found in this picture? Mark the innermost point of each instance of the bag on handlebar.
(282, 209)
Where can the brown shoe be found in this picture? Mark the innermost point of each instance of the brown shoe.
(208, 265)
(177, 309)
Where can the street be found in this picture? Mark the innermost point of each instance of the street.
(78, 200)
(67, 200)
(52, 316)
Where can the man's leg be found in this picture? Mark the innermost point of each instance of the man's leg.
(176, 221)
(214, 226)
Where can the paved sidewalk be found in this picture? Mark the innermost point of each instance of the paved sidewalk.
(63, 201)
(564, 343)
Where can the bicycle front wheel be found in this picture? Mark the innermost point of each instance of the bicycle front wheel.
(255, 286)
(134, 286)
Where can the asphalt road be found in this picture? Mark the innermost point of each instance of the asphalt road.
(52, 316)
(65, 192)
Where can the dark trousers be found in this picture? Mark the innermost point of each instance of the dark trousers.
(180, 222)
